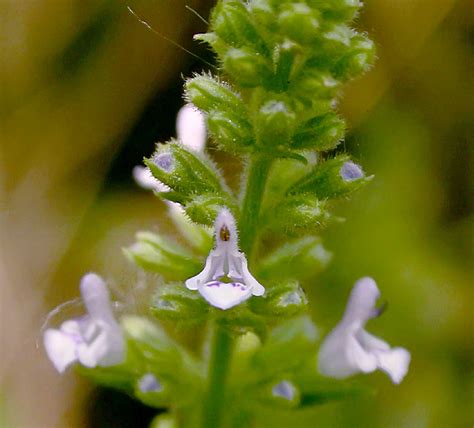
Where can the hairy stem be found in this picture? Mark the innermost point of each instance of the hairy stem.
(255, 188)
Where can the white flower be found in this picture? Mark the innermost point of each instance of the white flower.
(92, 340)
(225, 280)
(349, 349)
(191, 127)
(191, 132)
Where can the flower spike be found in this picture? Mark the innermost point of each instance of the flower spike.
(225, 280)
(349, 349)
(92, 340)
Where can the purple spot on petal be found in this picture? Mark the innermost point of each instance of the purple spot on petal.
(351, 171)
(213, 284)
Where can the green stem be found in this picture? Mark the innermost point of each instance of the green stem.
(256, 181)
(221, 355)
(222, 345)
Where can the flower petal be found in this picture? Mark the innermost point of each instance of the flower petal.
(61, 348)
(361, 304)
(191, 127)
(225, 295)
(96, 297)
(394, 362)
(144, 178)
(285, 390)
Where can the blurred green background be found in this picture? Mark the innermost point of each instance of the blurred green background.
(86, 90)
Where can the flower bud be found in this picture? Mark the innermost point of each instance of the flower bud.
(337, 10)
(275, 121)
(263, 12)
(232, 132)
(312, 258)
(232, 22)
(176, 303)
(185, 172)
(282, 300)
(333, 178)
(319, 133)
(297, 214)
(203, 209)
(150, 391)
(299, 22)
(360, 57)
(207, 93)
(156, 254)
(247, 67)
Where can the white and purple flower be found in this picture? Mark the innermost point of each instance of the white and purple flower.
(349, 349)
(225, 280)
(92, 340)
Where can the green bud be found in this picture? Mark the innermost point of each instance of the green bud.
(203, 209)
(337, 10)
(319, 133)
(207, 93)
(289, 58)
(302, 259)
(336, 39)
(157, 254)
(275, 121)
(297, 214)
(334, 178)
(185, 172)
(231, 21)
(263, 12)
(299, 22)
(286, 299)
(232, 132)
(176, 303)
(248, 68)
(358, 60)
(315, 84)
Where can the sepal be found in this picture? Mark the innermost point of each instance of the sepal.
(157, 254)
(208, 93)
(334, 178)
(232, 22)
(185, 172)
(203, 209)
(299, 22)
(320, 133)
(275, 121)
(175, 302)
(285, 299)
(247, 68)
(302, 259)
(297, 214)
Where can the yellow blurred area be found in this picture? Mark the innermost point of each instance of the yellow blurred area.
(75, 77)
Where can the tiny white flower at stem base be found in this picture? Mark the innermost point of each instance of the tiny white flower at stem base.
(349, 349)
(92, 340)
(225, 280)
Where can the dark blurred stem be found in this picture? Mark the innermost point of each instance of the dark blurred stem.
(256, 180)
(219, 364)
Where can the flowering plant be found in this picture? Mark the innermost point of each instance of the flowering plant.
(251, 251)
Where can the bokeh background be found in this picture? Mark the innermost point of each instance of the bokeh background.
(86, 90)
